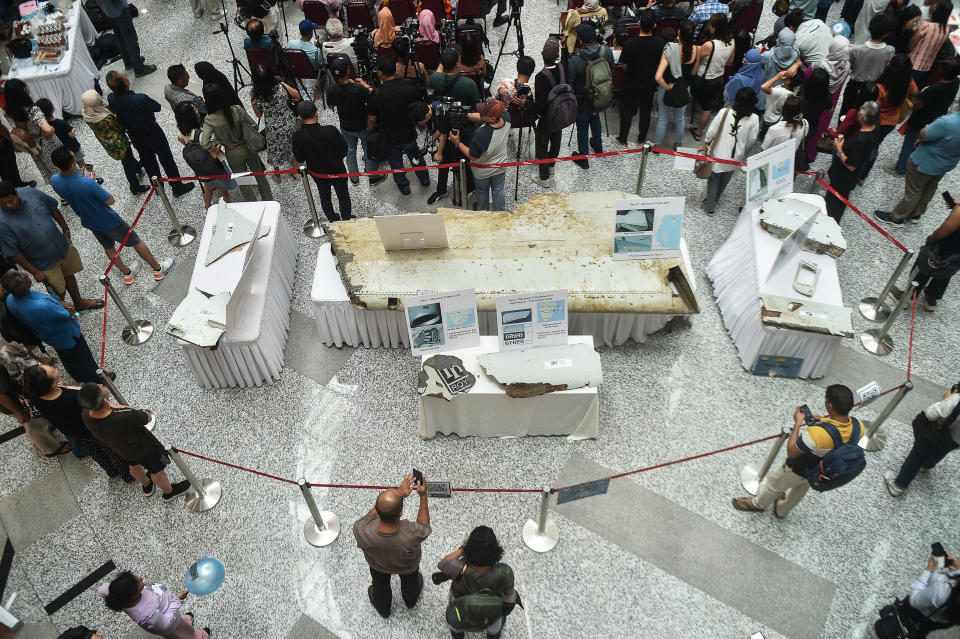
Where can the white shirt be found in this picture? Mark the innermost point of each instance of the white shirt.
(343, 45)
(778, 95)
(781, 132)
(813, 40)
(728, 146)
(929, 592)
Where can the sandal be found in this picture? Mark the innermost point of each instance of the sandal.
(746, 504)
(696, 137)
(90, 305)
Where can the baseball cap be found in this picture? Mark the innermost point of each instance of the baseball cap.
(449, 58)
(491, 108)
(586, 32)
(340, 66)
(306, 109)
(308, 26)
(551, 49)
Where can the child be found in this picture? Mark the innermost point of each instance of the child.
(67, 136)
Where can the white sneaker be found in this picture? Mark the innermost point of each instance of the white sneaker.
(540, 181)
(892, 487)
(134, 269)
(165, 267)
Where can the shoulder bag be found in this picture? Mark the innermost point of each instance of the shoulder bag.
(252, 139)
(703, 169)
(699, 80)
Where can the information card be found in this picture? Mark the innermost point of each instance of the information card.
(770, 172)
(647, 228)
(442, 321)
(532, 319)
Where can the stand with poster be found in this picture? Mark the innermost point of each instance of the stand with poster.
(770, 173)
(647, 228)
(442, 321)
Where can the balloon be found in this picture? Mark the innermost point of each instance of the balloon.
(205, 576)
(840, 28)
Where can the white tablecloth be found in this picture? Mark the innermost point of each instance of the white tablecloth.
(486, 411)
(739, 271)
(340, 323)
(251, 352)
(64, 83)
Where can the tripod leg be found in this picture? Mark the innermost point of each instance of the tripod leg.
(516, 181)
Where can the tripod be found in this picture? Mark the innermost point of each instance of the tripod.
(514, 21)
(238, 67)
(521, 125)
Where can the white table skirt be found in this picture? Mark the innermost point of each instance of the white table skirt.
(340, 323)
(252, 354)
(486, 411)
(733, 271)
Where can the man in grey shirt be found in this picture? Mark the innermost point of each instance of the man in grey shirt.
(118, 12)
(936, 431)
(177, 91)
(868, 60)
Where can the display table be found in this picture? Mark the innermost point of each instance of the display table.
(486, 411)
(739, 271)
(340, 323)
(64, 83)
(251, 351)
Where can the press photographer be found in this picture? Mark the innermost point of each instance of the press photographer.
(350, 96)
(448, 83)
(488, 146)
(933, 603)
(438, 119)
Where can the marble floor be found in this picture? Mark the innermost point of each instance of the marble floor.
(662, 553)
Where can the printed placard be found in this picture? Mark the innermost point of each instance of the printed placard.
(439, 489)
(869, 393)
(647, 228)
(532, 319)
(442, 321)
(579, 491)
(770, 173)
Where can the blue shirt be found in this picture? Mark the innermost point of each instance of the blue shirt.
(47, 317)
(135, 110)
(702, 14)
(265, 43)
(941, 152)
(313, 53)
(88, 200)
(31, 230)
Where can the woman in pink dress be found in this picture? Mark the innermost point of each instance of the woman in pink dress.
(152, 606)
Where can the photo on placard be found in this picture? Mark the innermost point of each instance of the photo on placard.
(553, 311)
(632, 243)
(427, 336)
(758, 182)
(461, 318)
(780, 169)
(668, 233)
(424, 315)
(635, 220)
(517, 316)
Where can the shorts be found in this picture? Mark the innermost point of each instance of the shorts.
(154, 461)
(58, 273)
(109, 239)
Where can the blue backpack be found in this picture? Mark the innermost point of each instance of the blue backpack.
(842, 464)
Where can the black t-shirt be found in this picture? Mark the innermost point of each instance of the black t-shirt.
(62, 129)
(64, 413)
(389, 104)
(351, 101)
(124, 432)
(858, 148)
(936, 99)
(542, 84)
(321, 147)
(641, 56)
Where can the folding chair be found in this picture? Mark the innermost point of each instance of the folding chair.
(633, 30)
(401, 10)
(429, 53)
(316, 11)
(438, 7)
(358, 15)
(302, 69)
(387, 50)
(476, 80)
(258, 56)
(471, 9)
(747, 20)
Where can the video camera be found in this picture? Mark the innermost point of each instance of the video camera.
(452, 112)
(448, 32)
(522, 90)
(411, 28)
(366, 53)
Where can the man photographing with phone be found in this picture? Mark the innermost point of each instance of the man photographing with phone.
(939, 259)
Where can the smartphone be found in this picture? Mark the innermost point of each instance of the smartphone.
(948, 199)
(417, 476)
(941, 555)
(807, 415)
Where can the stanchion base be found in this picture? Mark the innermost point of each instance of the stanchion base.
(212, 494)
(320, 538)
(140, 332)
(537, 542)
(184, 236)
(750, 478)
(870, 311)
(312, 229)
(872, 443)
(876, 346)
(896, 293)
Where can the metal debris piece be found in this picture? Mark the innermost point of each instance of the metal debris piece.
(444, 376)
(782, 217)
(543, 369)
(805, 315)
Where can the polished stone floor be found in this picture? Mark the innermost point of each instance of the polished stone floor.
(661, 554)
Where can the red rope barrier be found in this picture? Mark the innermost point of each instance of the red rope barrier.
(913, 319)
(126, 237)
(228, 464)
(858, 212)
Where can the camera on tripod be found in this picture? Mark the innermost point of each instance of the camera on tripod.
(410, 28)
(448, 32)
(522, 90)
(452, 112)
(366, 53)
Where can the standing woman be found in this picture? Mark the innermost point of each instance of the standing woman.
(681, 60)
(111, 134)
(897, 90)
(270, 101)
(816, 102)
(735, 129)
(588, 9)
(707, 89)
(906, 26)
(189, 123)
(151, 606)
(227, 120)
(927, 40)
(27, 116)
(791, 126)
(210, 75)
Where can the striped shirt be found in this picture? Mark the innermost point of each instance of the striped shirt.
(932, 36)
(702, 14)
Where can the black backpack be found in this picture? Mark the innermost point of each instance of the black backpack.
(200, 161)
(842, 464)
(479, 608)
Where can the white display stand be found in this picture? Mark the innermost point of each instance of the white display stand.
(738, 271)
(251, 351)
(486, 411)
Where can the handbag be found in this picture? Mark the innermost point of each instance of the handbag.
(900, 620)
(252, 139)
(679, 95)
(703, 169)
(698, 81)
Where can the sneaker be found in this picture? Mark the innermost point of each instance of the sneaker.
(182, 188)
(129, 277)
(377, 179)
(583, 164)
(703, 205)
(146, 70)
(892, 170)
(139, 189)
(886, 218)
(929, 305)
(436, 195)
(915, 220)
(165, 267)
(621, 141)
(404, 190)
(539, 181)
(892, 486)
(596, 148)
(147, 490)
(178, 489)
(99, 180)
(501, 20)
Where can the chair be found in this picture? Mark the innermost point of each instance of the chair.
(471, 9)
(301, 67)
(477, 80)
(316, 11)
(258, 56)
(401, 10)
(358, 15)
(563, 20)
(633, 30)
(747, 20)
(438, 7)
(428, 52)
(663, 25)
(574, 4)
(387, 50)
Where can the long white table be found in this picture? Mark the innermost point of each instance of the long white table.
(340, 323)
(64, 83)
(739, 271)
(251, 351)
(486, 411)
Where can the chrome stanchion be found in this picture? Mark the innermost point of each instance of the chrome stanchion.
(463, 183)
(136, 332)
(204, 494)
(323, 527)
(113, 387)
(313, 227)
(541, 535)
(181, 234)
(815, 182)
(877, 341)
(875, 439)
(643, 165)
(875, 308)
(7, 619)
(751, 476)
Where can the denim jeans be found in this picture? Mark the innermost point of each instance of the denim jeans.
(716, 184)
(588, 123)
(924, 454)
(495, 182)
(910, 136)
(326, 199)
(351, 138)
(411, 150)
(667, 113)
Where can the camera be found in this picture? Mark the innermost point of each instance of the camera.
(410, 28)
(522, 90)
(596, 22)
(366, 53)
(448, 32)
(452, 112)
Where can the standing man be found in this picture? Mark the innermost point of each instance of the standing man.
(322, 148)
(938, 260)
(350, 96)
(92, 204)
(177, 91)
(391, 545)
(9, 171)
(135, 112)
(639, 83)
(29, 237)
(851, 156)
(546, 139)
(588, 117)
(388, 108)
(118, 12)
(448, 83)
(488, 146)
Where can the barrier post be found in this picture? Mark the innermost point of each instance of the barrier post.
(875, 308)
(8, 620)
(181, 234)
(323, 527)
(815, 182)
(204, 494)
(875, 439)
(751, 476)
(643, 165)
(541, 535)
(312, 228)
(136, 332)
(463, 183)
(877, 341)
(113, 388)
